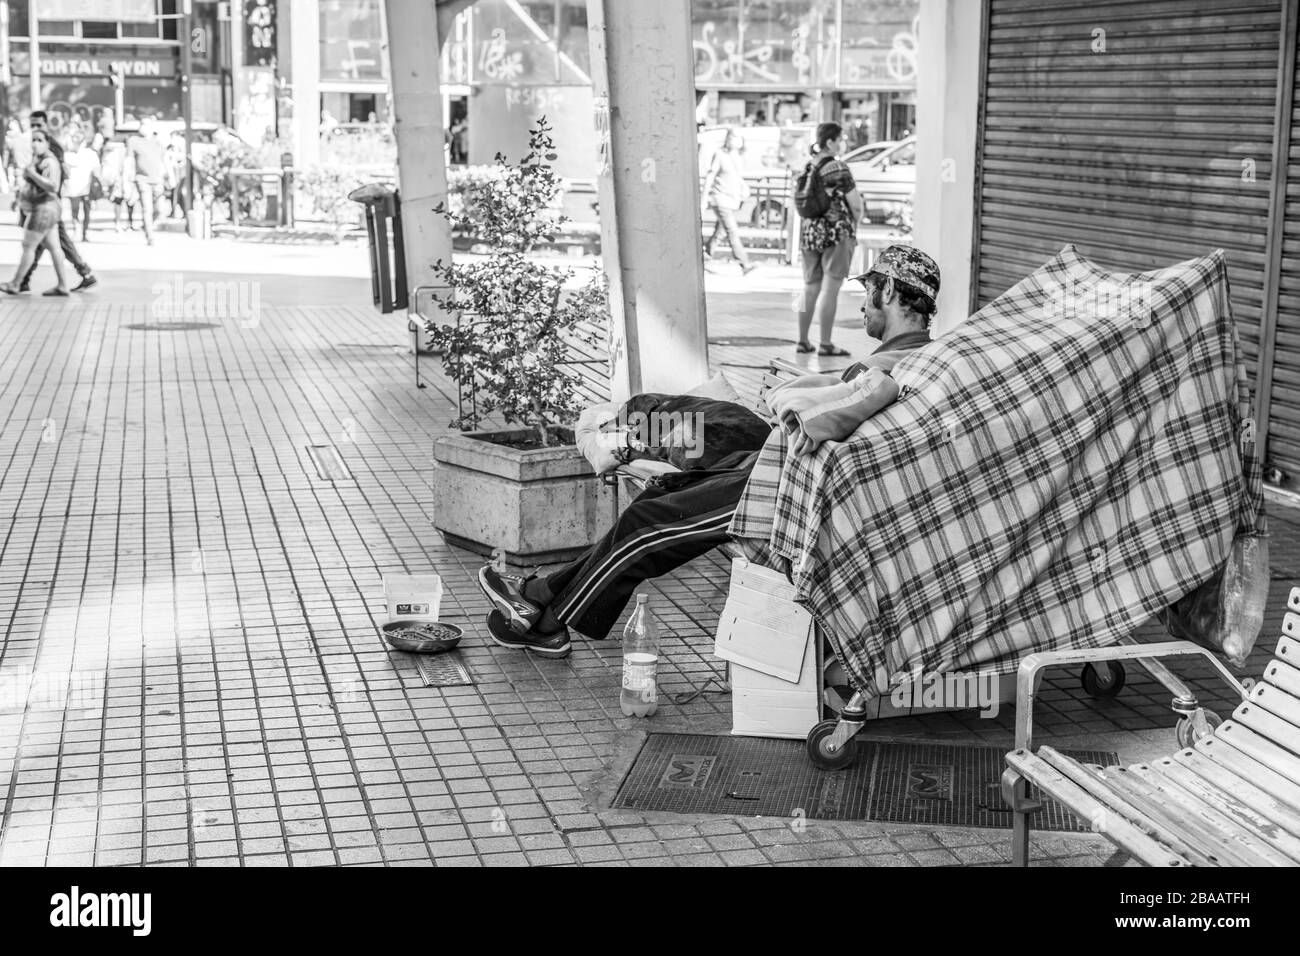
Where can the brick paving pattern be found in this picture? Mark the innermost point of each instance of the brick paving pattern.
(192, 672)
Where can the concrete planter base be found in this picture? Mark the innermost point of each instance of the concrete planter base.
(537, 506)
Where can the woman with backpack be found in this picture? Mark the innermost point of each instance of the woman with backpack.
(829, 206)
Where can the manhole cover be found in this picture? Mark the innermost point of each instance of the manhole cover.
(954, 785)
(171, 326)
(939, 784)
(751, 340)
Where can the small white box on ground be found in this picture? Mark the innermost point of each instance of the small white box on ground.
(412, 597)
(772, 646)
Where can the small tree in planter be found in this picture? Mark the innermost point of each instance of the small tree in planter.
(526, 494)
(519, 323)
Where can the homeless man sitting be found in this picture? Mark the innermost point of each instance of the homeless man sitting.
(686, 513)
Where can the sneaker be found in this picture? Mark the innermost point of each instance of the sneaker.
(506, 591)
(87, 281)
(747, 269)
(551, 646)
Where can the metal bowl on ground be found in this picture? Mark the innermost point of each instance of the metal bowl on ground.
(422, 637)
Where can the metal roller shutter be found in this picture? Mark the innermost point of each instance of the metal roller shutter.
(1156, 150)
(1283, 400)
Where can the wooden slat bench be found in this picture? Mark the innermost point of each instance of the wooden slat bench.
(1230, 799)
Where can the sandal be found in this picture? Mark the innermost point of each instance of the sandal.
(804, 347)
(829, 351)
(8, 288)
(56, 292)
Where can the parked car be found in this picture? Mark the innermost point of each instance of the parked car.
(886, 176)
(762, 165)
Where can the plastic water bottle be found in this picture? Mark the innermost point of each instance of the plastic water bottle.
(640, 695)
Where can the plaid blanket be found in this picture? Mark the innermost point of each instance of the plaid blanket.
(1071, 460)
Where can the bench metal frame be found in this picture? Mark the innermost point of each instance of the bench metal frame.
(1015, 788)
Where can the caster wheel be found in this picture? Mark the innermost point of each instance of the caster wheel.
(823, 758)
(1186, 730)
(1104, 682)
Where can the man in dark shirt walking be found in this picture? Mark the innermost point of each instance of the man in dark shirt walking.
(40, 120)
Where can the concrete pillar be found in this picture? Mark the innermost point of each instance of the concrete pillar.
(947, 117)
(643, 75)
(415, 66)
(304, 77)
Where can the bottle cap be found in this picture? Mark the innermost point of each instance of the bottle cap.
(642, 599)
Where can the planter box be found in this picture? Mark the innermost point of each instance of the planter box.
(537, 506)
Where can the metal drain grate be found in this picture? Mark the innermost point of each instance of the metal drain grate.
(936, 784)
(329, 463)
(442, 670)
(961, 786)
(689, 773)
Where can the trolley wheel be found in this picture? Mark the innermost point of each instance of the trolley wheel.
(1104, 682)
(1186, 729)
(823, 758)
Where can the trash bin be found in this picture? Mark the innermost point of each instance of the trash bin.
(384, 236)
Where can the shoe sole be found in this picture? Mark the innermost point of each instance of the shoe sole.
(514, 621)
(551, 653)
(546, 652)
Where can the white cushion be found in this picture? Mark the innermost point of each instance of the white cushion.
(599, 447)
(717, 388)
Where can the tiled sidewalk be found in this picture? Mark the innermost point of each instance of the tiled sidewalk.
(191, 671)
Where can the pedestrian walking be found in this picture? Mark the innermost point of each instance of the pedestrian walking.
(17, 155)
(725, 191)
(119, 187)
(829, 206)
(42, 180)
(149, 163)
(40, 122)
(83, 175)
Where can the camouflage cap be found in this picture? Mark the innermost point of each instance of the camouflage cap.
(907, 264)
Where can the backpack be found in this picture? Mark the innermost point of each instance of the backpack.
(811, 200)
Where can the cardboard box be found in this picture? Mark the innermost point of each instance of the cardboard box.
(776, 660)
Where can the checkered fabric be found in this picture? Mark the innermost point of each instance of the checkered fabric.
(1071, 460)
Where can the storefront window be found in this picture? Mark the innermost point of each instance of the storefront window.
(879, 47)
(515, 42)
(716, 39)
(351, 40)
(785, 42)
(456, 53)
(575, 53)
(90, 19)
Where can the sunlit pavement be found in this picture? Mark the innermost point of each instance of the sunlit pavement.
(191, 671)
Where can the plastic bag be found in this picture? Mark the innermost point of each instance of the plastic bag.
(1226, 613)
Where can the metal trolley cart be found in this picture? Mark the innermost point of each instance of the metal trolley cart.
(1103, 676)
